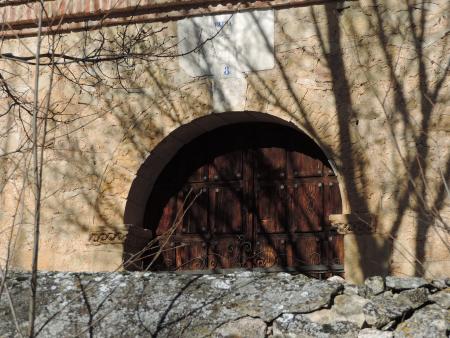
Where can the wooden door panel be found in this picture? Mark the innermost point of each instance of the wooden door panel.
(226, 209)
(168, 217)
(335, 249)
(191, 255)
(302, 165)
(305, 207)
(294, 252)
(307, 250)
(271, 208)
(199, 175)
(332, 198)
(192, 168)
(168, 253)
(227, 167)
(227, 252)
(270, 252)
(270, 163)
(194, 201)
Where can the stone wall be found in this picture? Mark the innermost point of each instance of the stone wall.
(241, 304)
(368, 81)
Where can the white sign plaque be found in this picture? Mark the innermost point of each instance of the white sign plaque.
(227, 45)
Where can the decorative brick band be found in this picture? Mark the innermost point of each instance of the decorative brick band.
(19, 18)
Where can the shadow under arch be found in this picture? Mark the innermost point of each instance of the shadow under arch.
(137, 205)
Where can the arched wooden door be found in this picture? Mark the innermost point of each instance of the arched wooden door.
(248, 196)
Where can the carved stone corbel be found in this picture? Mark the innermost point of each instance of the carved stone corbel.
(107, 236)
(102, 236)
(357, 223)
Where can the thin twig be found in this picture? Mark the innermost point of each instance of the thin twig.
(37, 183)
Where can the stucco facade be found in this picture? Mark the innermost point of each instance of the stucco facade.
(368, 81)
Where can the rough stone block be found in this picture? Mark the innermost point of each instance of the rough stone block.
(375, 284)
(404, 283)
(244, 327)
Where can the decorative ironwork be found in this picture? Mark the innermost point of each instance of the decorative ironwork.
(241, 253)
(237, 252)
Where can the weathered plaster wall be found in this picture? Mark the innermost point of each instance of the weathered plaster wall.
(241, 304)
(368, 81)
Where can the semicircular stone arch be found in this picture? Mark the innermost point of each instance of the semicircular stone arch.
(236, 190)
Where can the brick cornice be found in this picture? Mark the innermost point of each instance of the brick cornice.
(19, 17)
